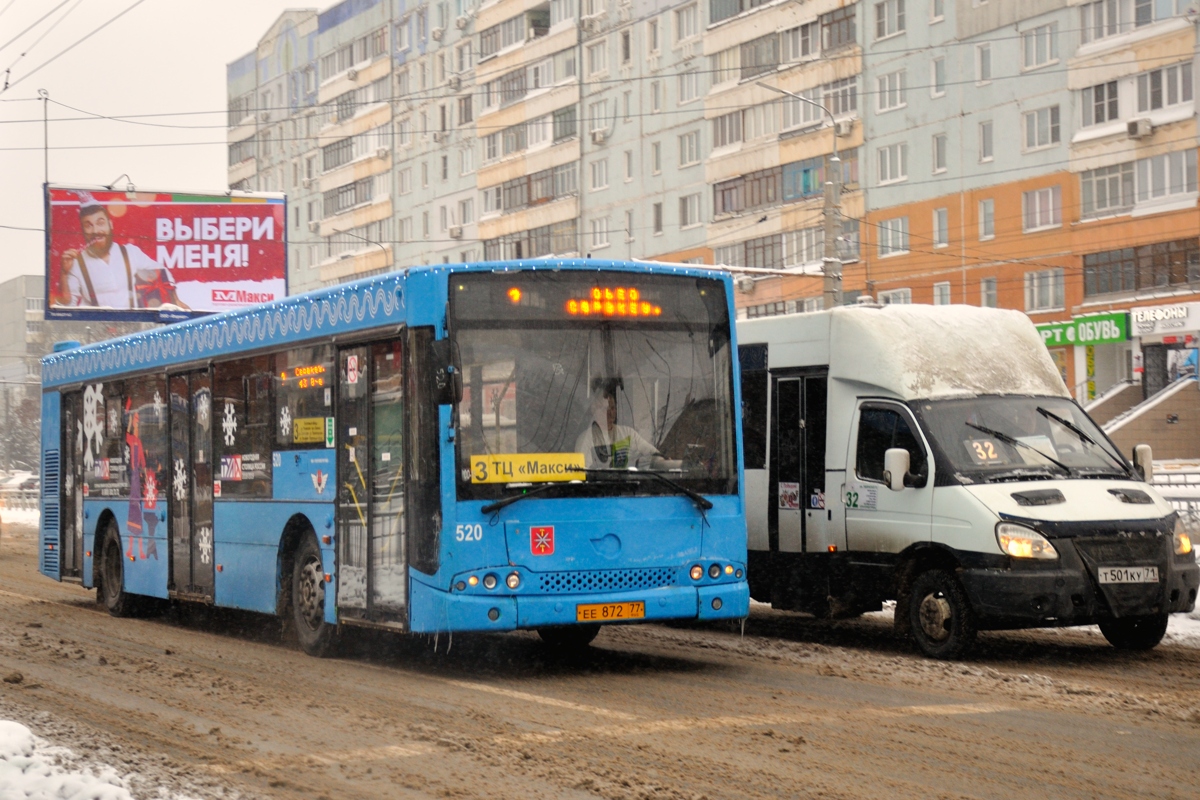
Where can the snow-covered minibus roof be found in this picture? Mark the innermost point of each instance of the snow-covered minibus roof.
(915, 351)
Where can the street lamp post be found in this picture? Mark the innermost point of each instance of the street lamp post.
(831, 263)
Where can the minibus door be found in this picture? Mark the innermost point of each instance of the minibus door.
(797, 491)
(190, 493)
(71, 486)
(372, 562)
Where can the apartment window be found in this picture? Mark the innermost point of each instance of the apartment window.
(656, 213)
(893, 163)
(805, 246)
(600, 174)
(937, 83)
(893, 236)
(689, 149)
(1106, 190)
(628, 165)
(652, 35)
(655, 97)
(561, 11)
(493, 200)
(1041, 128)
(761, 120)
(983, 63)
(466, 211)
(1164, 87)
(1150, 266)
(1100, 19)
(987, 219)
(1100, 103)
(425, 224)
(689, 86)
(466, 161)
(1040, 45)
(598, 113)
(628, 226)
(465, 114)
(891, 91)
(1042, 208)
(687, 22)
(443, 218)
(727, 129)
(940, 152)
(838, 28)
(626, 47)
(941, 227)
(600, 232)
(986, 152)
(937, 10)
(689, 210)
(424, 174)
(941, 293)
(405, 181)
(1166, 175)
(800, 42)
(565, 124)
(889, 18)
(597, 56)
(656, 157)
(1044, 290)
(987, 292)
(896, 297)
(759, 55)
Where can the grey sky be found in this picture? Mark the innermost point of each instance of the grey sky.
(163, 57)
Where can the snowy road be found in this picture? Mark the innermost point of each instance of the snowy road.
(216, 705)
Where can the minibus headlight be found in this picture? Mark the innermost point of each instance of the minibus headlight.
(1182, 537)
(1021, 542)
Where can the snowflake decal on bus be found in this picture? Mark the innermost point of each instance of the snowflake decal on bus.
(151, 493)
(114, 422)
(180, 480)
(285, 421)
(158, 404)
(203, 405)
(204, 541)
(229, 424)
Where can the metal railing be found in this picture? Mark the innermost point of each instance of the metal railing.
(19, 500)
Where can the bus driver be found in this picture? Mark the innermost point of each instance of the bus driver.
(607, 445)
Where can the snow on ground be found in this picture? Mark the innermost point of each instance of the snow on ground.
(27, 517)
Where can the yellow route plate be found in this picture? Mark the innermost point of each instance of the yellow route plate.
(527, 467)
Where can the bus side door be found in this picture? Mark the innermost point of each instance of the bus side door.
(190, 497)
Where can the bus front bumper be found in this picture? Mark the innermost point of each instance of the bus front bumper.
(434, 610)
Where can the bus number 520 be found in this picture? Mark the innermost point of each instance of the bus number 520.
(468, 533)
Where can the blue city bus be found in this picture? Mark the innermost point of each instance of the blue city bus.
(550, 445)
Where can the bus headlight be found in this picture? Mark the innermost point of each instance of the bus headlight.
(1182, 537)
(513, 580)
(489, 581)
(697, 572)
(1021, 542)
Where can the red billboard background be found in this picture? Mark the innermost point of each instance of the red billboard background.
(161, 256)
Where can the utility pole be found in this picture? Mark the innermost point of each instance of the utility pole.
(45, 97)
(831, 263)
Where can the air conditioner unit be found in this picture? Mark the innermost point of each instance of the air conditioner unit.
(264, 116)
(455, 83)
(745, 284)
(843, 127)
(461, 22)
(307, 182)
(456, 231)
(441, 136)
(1139, 128)
(382, 152)
(437, 34)
(588, 24)
(313, 225)
(598, 137)
(351, 74)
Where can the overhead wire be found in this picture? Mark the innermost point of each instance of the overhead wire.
(45, 33)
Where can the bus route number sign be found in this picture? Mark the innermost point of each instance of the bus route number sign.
(527, 467)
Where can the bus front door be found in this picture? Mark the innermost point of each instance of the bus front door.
(190, 491)
(372, 563)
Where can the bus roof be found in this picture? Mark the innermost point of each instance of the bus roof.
(359, 305)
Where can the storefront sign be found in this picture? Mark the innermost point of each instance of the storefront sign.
(1090, 330)
(1165, 320)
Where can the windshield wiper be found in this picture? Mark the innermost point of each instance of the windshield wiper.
(1004, 437)
(503, 502)
(1073, 428)
(702, 502)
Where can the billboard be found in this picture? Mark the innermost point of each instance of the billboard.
(161, 257)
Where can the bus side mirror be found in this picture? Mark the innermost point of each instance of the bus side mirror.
(447, 371)
(1143, 461)
(895, 467)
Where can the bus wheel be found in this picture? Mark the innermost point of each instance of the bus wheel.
(308, 600)
(1135, 633)
(940, 616)
(112, 595)
(569, 637)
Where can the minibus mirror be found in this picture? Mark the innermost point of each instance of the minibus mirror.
(1143, 461)
(895, 467)
(447, 371)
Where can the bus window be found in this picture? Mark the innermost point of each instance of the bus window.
(103, 428)
(242, 426)
(303, 397)
(145, 442)
(424, 459)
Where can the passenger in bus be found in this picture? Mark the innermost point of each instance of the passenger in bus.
(607, 445)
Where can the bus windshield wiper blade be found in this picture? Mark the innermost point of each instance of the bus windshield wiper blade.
(702, 502)
(1075, 429)
(512, 498)
(1015, 442)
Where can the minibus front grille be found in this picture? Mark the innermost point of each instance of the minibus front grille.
(604, 580)
(1122, 550)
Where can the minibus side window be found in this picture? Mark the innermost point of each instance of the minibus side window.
(880, 429)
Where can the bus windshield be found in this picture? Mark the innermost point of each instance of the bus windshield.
(607, 372)
(1015, 438)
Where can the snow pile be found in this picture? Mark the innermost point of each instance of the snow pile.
(29, 517)
(31, 769)
(1184, 629)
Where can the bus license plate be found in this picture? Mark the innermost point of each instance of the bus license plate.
(610, 612)
(1129, 574)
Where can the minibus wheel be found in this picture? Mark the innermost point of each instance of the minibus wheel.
(569, 637)
(1135, 633)
(308, 600)
(112, 594)
(940, 616)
